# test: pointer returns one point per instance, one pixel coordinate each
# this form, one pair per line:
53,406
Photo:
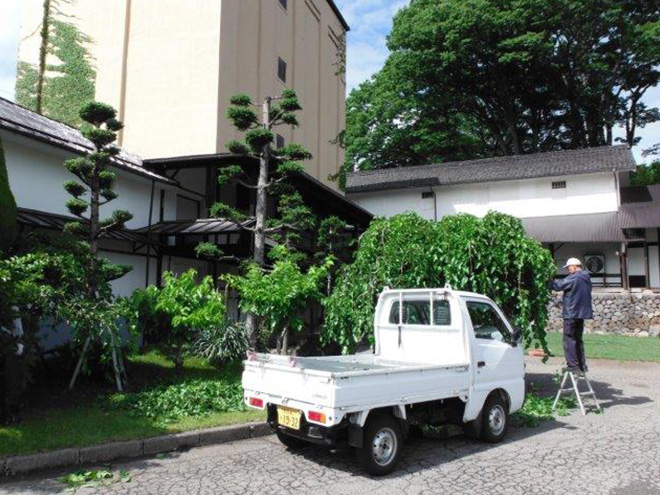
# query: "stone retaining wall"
622,313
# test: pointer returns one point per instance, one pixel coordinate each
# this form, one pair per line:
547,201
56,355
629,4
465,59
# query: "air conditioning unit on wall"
595,263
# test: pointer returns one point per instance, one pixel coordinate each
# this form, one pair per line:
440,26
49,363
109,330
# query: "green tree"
183,308
275,166
95,188
280,295
8,222
334,241
491,256
191,307
514,76
57,90
646,174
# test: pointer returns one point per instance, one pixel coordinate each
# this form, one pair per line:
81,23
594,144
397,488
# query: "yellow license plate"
288,417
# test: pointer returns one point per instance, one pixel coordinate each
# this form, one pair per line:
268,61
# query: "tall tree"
63,79
93,190
509,77
275,166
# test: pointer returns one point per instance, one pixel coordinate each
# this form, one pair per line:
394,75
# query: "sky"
370,22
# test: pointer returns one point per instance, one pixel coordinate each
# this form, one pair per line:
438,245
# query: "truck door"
498,364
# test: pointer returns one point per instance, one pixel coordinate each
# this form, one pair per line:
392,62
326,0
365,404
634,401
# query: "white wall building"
577,202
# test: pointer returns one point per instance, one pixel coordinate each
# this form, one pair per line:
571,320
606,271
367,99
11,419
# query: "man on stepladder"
576,287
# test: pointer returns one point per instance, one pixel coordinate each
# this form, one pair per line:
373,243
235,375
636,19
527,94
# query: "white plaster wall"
592,193
579,250
36,174
136,278
390,203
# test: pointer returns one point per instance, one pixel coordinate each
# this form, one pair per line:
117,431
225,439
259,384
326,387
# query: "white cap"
572,262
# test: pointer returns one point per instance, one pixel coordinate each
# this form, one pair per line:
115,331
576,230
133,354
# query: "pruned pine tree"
92,190
335,241
275,166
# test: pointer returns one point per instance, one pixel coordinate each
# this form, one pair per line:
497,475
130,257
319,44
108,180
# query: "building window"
560,184
283,4
281,69
279,141
427,195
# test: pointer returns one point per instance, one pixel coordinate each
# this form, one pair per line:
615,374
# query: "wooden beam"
647,271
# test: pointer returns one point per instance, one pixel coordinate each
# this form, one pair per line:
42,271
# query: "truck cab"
441,357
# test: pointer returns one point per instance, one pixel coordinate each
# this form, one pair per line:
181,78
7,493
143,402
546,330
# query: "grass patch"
159,402
538,409
617,347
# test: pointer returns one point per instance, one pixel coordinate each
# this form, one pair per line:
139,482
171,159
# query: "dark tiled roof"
201,226
596,227
553,164
53,221
18,119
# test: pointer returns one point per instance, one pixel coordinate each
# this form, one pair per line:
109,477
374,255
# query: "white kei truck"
441,357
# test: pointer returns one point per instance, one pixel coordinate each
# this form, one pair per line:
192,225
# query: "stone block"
22,464
110,451
169,443
223,435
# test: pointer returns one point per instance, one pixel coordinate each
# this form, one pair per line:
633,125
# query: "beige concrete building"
170,66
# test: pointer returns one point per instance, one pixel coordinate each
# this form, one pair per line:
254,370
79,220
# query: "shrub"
491,256
222,344
191,398
183,306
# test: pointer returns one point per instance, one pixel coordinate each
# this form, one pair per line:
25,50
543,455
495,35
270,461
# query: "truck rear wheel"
494,419
289,441
382,445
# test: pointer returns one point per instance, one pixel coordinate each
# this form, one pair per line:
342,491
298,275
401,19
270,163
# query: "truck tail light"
316,416
256,402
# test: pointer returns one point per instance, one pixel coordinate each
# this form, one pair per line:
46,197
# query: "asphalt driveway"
616,453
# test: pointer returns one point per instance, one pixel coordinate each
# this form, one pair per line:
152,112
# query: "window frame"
281,63
429,299
284,4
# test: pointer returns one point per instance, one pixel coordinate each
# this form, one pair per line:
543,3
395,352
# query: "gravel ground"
616,453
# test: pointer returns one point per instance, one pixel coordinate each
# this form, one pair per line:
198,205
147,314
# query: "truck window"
417,313
441,313
486,322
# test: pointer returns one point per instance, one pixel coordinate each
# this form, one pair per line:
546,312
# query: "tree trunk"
94,231
259,255
285,341
43,54
178,361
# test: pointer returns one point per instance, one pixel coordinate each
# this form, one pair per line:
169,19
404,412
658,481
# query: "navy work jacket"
577,295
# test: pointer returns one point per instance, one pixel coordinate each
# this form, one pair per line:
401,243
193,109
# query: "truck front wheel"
382,445
494,419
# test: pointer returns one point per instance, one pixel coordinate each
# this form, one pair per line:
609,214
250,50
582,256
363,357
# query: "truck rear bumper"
329,436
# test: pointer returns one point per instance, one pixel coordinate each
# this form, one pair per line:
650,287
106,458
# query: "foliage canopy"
491,256
468,78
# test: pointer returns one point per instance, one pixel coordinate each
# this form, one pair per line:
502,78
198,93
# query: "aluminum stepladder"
575,380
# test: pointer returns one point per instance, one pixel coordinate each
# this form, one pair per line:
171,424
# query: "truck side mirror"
516,337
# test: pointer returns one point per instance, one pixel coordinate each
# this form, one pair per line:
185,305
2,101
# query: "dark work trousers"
573,344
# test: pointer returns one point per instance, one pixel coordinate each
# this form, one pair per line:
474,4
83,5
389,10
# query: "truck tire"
290,442
494,419
382,445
